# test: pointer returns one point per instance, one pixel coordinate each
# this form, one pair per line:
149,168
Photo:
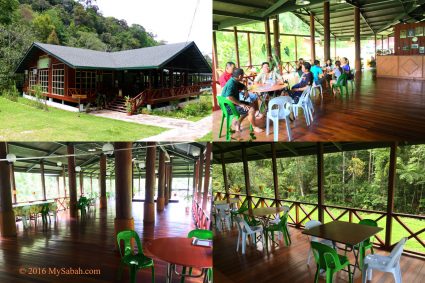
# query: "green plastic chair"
341,83
222,102
242,209
82,205
367,244
134,261
203,235
45,213
280,227
328,259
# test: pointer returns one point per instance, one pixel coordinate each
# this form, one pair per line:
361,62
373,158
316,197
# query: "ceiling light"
108,148
77,169
59,164
302,2
91,150
142,165
108,173
11,158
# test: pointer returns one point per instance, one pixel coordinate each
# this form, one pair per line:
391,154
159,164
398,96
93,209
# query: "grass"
20,121
208,137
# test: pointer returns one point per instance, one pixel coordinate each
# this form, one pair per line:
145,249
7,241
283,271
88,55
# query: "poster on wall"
415,46
411,32
403,33
422,50
419,31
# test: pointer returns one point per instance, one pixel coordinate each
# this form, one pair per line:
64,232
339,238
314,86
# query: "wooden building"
148,75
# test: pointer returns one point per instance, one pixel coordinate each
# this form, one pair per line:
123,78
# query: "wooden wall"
401,67
403,46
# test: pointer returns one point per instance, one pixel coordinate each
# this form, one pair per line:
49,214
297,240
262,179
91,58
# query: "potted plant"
128,106
187,199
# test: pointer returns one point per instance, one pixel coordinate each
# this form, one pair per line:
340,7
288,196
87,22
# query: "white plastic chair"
279,109
313,89
53,210
26,216
244,230
353,72
310,224
389,263
303,103
223,217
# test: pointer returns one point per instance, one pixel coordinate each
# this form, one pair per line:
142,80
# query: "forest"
357,179
67,22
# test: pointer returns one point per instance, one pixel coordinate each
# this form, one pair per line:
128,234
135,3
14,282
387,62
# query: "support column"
327,31
167,183
226,182
312,38
320,182
235,33
207,175
170,180
73,211
268,41
249,48
43,179
81,176
335,48
296,48
375,45
215,55
102,182
214,73
123,203
276,35
7,216
149,205
13,183
64,180
246,175
195,178
275,176
358,62
200,175
160,201
57,184
390,198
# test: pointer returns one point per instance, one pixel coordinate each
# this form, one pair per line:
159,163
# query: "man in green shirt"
231,91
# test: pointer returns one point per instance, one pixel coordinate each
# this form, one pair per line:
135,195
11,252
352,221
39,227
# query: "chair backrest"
342,79
304,96
368,222
221,209
222,102
26,210
325,256
45,208
284,106
396,252
285,209
312,223
239,223
353,75
127,236
245,227
201,234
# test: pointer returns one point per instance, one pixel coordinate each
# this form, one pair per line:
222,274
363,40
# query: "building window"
32,79
58,80
85,79
43,79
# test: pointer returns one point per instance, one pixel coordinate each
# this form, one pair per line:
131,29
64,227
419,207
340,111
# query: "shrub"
40,101
11,93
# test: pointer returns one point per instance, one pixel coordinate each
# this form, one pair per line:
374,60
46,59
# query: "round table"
262,91
179,251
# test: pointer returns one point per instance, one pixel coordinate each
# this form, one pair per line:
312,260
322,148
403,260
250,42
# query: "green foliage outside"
40,101
69,23
25,123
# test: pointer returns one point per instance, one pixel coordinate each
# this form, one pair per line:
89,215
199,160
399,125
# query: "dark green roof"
179,56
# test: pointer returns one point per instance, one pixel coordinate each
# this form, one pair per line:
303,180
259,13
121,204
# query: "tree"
43,26
53,38
8,8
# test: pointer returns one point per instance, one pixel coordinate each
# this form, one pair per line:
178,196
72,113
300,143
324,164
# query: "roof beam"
397,19
241,3
237,15
273,8
49,154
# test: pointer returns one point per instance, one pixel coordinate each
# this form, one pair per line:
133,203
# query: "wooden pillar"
268,41
312,38
73,211
7,216
149,206
215,55
64,180
327,31
358,62
13,183
81,183
43,179
296,48
160,201
235,32
170,180
167,176
249,48
275,176
335,47
57,181
195,178
375,44
320,182
390,197
276,39
91,183
382,42
200,175
388,42
214,74
102,181
246,176
226,182
207,175
123,202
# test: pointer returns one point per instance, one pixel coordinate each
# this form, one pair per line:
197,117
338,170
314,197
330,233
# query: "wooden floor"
86,245
378,109
288,264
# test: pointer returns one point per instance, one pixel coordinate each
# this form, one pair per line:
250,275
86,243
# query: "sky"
170,20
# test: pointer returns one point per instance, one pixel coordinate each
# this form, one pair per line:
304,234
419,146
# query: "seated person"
337,71
266,74
227,74
231,92
317,72
306,80
346,65
328,65
300,67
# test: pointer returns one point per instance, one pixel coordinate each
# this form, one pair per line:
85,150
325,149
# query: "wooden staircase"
118,104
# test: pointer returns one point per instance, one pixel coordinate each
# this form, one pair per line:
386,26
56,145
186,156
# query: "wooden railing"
201,217
300,212
77,91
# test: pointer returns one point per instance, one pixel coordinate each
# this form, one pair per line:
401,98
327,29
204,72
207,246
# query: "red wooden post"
43,180
7,216
312,38
207,175
149,206
320,182
357,47
73,212
390,198
268,41
235,32
327,31
249,48
102,181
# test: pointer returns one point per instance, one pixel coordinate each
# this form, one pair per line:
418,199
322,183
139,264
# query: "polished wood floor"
377,109
288,264
86,244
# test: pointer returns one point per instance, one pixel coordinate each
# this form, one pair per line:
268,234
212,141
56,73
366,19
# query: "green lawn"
208,137
20,121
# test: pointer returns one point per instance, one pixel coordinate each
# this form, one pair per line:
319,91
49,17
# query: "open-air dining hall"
105,212
318,212
318,70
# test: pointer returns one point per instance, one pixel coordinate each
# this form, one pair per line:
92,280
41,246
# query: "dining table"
349,234
34,208
224,201
178,251
263,90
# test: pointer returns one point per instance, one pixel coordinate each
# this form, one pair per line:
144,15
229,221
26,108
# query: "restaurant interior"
380,98
105,212
317,212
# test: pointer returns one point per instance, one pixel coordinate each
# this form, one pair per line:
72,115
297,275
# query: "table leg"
356,256
169,273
